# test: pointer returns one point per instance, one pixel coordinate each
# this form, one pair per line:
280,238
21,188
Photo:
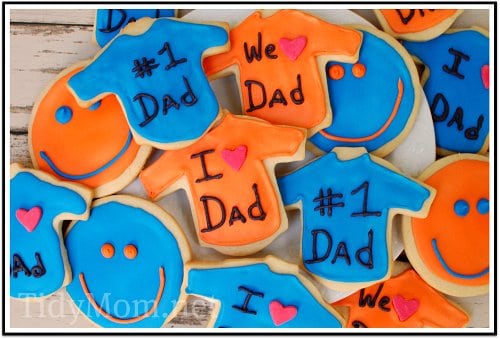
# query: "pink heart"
485,76
29,218
405,308
235,158
281,314
293,48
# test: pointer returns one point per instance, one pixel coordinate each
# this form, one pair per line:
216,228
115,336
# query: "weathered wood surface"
42,43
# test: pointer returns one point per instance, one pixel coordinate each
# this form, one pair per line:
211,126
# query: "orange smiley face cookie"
416,24
92,146
450,248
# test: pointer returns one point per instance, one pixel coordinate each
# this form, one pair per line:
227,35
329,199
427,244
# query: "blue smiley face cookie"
109,22
260,293
374,101
154,68
38,205
456,83
128,263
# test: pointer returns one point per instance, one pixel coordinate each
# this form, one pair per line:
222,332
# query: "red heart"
293,48
235,158
29,218
405,308
485,76
281,314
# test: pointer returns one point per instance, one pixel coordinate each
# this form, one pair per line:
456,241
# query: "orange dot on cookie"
130,251
107,250
336,72
358,70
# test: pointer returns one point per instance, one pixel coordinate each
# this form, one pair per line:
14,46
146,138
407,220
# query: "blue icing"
109,22
26,192
461,208
64,114
361,106
124,288
483,206
359,249
468,95
224,284
162,105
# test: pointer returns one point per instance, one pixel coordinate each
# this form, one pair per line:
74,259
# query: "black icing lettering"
255,53
39,269
364,212
453,70
457,118
109,28
253,106
472,133
326,202
18,265
148,116
368,262
296,94
173,62
439,98
269,51
385,300
405,19
260,215
341,252
206,176
210,226
277,98
188,98
369,300
168,102
236,215
358,324
144,67
315,258
250,293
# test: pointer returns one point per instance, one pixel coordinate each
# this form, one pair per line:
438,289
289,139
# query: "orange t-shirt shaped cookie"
416,24
230,177
403,301
450,248
92,146
279,59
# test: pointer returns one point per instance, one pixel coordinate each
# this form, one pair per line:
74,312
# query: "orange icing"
87,142
358,70
433,309
418,23
262,141
130,251
462,241
107,250
336,72
280,72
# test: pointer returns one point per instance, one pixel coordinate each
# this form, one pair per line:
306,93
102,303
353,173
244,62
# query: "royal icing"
154,68
260,294
230,178
417,24
276,58
75,143
404,301
456,87
347,204
109,22
127,261
38,205
454,257
388,79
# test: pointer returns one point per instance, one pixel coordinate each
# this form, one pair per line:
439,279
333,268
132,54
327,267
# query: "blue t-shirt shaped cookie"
348,200
109,22
38,205
154,68
456,83
260,293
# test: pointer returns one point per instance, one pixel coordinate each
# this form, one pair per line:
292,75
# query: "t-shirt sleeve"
278,140
338,41
208,36
163,173
289,187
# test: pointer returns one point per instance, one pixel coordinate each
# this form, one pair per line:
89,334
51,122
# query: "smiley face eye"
336,72
461,208
483,206
64,114
358,70
130,251
107,250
